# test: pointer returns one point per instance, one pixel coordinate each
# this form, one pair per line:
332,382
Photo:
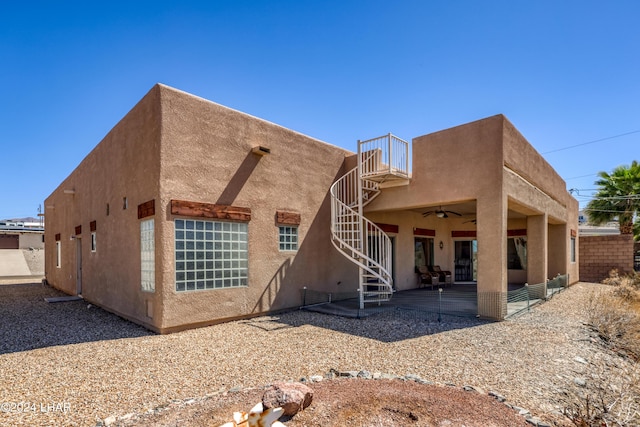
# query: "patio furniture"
444,275
427,278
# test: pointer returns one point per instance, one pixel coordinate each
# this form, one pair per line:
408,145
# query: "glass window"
288,238
58,255
147,256
423,251
210,255
93,241
573,249
517,253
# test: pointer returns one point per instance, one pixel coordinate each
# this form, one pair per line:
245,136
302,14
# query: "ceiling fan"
440,213
474,220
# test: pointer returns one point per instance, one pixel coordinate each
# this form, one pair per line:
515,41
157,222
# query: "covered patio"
456,300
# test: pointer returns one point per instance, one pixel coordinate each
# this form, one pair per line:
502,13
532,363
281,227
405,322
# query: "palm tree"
618,197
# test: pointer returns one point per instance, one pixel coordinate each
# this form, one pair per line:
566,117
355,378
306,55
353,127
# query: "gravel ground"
77,365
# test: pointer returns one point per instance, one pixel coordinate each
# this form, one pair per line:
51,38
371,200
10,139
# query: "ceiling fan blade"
425,214
452,212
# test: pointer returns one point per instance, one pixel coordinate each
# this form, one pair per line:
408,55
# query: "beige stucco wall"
206,157
124,164
463,163
489,163
173,145
535,188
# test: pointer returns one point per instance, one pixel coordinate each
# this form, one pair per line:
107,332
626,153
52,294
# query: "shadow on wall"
316,265
270,292
239,179
29,322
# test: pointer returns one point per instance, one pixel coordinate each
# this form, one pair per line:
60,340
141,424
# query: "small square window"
288,238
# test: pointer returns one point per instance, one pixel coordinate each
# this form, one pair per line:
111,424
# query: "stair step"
376,293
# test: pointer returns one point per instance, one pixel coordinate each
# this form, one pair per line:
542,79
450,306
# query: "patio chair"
444,275
427,278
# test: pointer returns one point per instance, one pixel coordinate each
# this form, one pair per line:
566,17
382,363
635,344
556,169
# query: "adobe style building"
189,213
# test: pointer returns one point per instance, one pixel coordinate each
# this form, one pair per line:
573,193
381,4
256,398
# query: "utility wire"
592,142
634,197
601,210
581,176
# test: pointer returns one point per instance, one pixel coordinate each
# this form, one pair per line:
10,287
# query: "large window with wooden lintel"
210,254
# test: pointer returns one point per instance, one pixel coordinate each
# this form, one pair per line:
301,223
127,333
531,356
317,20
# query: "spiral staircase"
382,162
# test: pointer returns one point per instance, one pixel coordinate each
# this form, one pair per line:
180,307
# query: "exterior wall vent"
260,150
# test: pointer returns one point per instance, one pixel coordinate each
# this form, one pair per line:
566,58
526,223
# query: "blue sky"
563,72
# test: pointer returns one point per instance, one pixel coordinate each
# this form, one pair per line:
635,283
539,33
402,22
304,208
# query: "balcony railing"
387,156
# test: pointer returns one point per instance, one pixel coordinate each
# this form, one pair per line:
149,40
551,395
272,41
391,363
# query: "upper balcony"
384,160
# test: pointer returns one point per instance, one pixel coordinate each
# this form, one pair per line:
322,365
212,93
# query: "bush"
634,280
608,401
615,317
611,400
614,278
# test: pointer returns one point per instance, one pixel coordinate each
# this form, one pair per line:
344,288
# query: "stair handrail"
347,187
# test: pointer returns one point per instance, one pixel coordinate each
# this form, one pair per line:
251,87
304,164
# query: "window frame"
572,246
94,245
58,254
147,255
210,254
290,232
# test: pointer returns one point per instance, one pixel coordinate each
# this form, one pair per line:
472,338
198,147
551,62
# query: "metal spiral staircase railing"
380,160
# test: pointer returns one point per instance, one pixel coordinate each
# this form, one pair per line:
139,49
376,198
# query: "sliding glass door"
466,260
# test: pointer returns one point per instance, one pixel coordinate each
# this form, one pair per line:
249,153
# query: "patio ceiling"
468,210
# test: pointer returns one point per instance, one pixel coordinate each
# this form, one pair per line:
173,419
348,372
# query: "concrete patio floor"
457,300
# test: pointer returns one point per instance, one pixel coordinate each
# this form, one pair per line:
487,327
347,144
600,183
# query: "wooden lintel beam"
288,218
210,210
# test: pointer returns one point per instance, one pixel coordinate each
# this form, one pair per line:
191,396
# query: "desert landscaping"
90,367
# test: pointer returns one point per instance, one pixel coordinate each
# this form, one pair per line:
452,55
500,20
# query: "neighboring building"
20,234
586,229
189,213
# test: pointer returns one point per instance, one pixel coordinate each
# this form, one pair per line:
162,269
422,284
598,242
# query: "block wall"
600,254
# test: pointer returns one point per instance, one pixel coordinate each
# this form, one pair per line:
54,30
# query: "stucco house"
189,213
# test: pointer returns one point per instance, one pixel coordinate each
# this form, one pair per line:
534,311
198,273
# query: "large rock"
291,397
